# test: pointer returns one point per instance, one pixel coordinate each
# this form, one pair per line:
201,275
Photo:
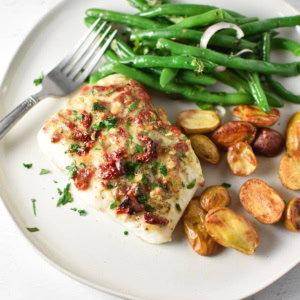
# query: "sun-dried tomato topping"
82,178
139,91
151,149
80,135
111,170
56,137
130,206
182,147
154,219
86,119
104,89
175,130
85,90
122,132
148,115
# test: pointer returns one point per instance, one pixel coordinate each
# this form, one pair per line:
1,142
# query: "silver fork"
68,75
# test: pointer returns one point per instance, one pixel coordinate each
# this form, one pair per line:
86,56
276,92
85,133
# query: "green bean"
194,36
230,61
286,44
116,17
190,77
269,24
276,86
205,106
139,4
167,75
207,18
110,55
182,10
242,21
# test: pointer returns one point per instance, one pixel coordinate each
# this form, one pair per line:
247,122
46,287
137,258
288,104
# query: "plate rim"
35,245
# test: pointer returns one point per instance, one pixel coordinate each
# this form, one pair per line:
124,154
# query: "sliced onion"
210,31
244,51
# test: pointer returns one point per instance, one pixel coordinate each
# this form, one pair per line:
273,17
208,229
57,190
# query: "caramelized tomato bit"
182,147
80,135
56,137
85,90
154,219
86,119
82,178
139,91
151,149
175,130
104,89
111,170
130,206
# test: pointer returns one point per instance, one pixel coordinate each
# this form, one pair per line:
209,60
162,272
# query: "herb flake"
44,172
178,207
133,105
28,166
108,123
226,185
32,229
163,170
98,107
65,196
38,80
125,232
33,206
191,184
72,170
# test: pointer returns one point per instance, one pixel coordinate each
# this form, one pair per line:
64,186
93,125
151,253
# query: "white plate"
93,249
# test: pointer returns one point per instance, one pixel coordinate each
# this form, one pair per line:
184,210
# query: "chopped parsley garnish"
125,232
130,137
139,149
156,113
80,117
110,186
27,166
75,148
178,207
97,148
108,123
33,229
44,172
82,212
163,170
128,124
114,204
82,165
74,209
98,106
131,168
226,185
142,198
54,181
182,184
38,80
215,196
191,184
33,206
185,138
154,167
72,170
65,196
146,182
74,112
133,105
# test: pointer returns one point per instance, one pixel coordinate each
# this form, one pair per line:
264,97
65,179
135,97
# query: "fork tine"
63,63
80,66
96,59
83,50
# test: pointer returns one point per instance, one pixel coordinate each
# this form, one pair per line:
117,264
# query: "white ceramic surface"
93,247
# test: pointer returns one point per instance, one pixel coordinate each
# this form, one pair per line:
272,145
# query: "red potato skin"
268,142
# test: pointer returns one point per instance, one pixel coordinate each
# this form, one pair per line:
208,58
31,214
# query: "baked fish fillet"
125,156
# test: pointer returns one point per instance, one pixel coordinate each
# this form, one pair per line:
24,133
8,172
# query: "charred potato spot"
205,148
198,121
241,159
231,230
195,230
289,170
268,142
292,215
214,196
261,201
293,133
256,116
233,132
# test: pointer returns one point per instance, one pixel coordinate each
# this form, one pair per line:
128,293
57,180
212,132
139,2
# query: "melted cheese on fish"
125,156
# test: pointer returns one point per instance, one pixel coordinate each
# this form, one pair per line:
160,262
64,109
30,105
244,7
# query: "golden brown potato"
241,159
292,215
198,121
205,148
289,170
268,142
261,201
231,230
194,227
233,132
214,196
293,133
256,116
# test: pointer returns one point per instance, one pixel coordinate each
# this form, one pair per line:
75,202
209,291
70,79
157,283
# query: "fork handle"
14,116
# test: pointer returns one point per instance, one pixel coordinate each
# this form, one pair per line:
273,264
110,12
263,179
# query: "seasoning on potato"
241,159
214,196
261,201
195,230
293,133
292,215
289,170
205,148
198,121
233,132
231,230
268,142
256,116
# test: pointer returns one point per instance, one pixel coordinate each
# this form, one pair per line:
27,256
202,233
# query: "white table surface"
23,273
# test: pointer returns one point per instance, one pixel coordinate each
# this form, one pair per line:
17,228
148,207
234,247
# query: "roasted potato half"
198,121
214,196
293,133
205,148
268,142
231,230
256,116
292,215
261,201
241,159
195,230
233,132
289,170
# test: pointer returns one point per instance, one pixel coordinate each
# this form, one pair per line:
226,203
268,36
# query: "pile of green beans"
162,52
